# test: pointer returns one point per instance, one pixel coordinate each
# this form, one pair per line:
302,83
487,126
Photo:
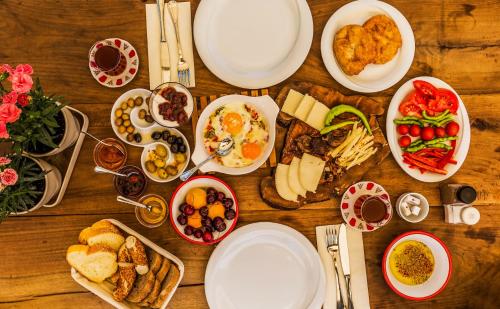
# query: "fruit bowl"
203,210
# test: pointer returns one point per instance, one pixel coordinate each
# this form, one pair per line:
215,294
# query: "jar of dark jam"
133,185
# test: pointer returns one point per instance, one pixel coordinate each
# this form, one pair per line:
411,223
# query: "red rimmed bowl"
439,277
179,198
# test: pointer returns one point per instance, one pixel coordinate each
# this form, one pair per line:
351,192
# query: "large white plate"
375,77
264,104
253,44
265,265
461,118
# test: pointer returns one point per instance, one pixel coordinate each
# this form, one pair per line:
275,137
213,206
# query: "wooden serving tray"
200,102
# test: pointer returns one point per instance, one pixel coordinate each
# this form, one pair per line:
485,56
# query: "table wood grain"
457,41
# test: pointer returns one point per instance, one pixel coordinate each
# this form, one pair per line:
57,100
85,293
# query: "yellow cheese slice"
281,182
317,115
310,171
293,178
304,108
292,102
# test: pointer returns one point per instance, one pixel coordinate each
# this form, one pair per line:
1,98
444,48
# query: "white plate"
265,265
375,77
253,44
105,290
440,276
461,118
264,104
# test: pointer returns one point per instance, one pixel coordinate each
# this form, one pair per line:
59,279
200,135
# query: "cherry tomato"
415,130
425,89
440,132
427,133
404,141
411,105
403,129
452,128
446,99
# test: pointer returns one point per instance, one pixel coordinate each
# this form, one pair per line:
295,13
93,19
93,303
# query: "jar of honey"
158,213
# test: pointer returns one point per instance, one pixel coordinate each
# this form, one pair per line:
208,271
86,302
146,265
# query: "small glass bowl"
156,99
120,182
164,210
100,147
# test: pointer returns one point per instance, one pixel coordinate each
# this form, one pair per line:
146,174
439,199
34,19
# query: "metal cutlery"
346,267
125,200
99,169
104,143
333,250
164,53
183,71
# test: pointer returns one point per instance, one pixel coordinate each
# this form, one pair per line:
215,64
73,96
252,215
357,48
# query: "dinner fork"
332,242
183,72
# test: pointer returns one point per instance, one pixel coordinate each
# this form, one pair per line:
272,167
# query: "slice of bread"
106,224
155,260
138,254
151,298
142,287
102,236
96,262
167,286
163,271
124,255
125,283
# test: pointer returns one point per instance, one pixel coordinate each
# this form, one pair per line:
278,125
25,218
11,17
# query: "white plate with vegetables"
428,129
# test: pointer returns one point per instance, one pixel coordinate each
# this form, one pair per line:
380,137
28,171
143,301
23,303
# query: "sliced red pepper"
426,167
421,159
449,155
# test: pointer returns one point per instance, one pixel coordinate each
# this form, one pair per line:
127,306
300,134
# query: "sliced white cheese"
310,171
304,108
292,101
317,115
293,178
281,182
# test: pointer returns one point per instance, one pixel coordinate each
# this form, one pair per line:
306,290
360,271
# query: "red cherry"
208,236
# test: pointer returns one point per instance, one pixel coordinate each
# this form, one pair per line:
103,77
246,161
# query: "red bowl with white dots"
349,199
179,197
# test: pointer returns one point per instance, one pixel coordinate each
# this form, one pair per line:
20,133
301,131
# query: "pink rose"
8,177
6,68
24,68
21,82
10,98
23,99
4,161
3,130
9,113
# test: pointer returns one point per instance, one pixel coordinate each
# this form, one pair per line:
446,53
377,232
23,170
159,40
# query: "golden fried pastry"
354,48
386,35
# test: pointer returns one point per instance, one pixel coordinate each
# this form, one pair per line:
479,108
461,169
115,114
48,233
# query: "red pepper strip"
426,167
449,155
424,160
430,152
452,161
422,171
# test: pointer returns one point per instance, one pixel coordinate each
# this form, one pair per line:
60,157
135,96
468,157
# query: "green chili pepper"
440,140
439,117
343,108
328,129
409,121
414,148
440,145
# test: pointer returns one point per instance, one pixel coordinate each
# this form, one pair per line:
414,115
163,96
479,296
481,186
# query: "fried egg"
245,125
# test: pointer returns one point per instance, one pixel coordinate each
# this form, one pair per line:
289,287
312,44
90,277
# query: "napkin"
359,285
186,38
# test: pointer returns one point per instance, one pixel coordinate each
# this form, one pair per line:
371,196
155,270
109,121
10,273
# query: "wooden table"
456,41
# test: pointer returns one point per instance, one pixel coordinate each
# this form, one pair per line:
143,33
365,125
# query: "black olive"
182,148
149,119
156,135
174,148
137,137
165,135
171,140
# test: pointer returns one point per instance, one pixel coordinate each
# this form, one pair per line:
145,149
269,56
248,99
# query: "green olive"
180,157
118,112
171,170
127,123
162,173
124,105
150,166
130,129
130,102
118,121
138,101
142,114
161,151
122,129
126,116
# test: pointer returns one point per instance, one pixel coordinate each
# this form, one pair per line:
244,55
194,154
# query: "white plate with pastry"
253,44
124,268
265,265
383,43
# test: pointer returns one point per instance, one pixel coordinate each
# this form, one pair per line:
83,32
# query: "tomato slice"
411,105
425,89
446,100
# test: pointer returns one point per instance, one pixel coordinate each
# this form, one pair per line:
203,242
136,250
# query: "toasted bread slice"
138,254
125,283
124,255
142,287
151,298
155,260
104,236
168,285
163,271
95,262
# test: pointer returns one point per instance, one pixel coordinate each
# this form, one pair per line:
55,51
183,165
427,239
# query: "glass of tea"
111,154
375,210
110,59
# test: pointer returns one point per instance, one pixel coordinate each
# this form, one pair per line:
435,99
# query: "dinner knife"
164,53
344,259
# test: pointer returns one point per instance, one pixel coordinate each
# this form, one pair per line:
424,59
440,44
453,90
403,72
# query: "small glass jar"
110,157
133,185
158,214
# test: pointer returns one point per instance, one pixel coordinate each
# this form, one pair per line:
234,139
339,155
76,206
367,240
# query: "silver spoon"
99,169
104,143
225,147
125,200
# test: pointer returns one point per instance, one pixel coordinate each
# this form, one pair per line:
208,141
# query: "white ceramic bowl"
269,110
461,118
156,99
424,208
179,197
440,276
170,157
375,77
